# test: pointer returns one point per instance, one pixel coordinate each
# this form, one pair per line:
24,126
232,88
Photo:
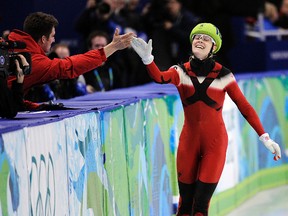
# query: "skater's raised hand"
271,145
143,49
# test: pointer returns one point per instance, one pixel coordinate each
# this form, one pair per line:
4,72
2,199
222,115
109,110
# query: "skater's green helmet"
208,29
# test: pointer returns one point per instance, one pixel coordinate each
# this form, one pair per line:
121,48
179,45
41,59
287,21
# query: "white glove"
143,49
271,145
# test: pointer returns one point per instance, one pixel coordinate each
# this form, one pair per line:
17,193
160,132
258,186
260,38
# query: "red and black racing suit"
201,154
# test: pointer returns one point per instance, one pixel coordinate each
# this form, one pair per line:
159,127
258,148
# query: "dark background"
14,12
245,56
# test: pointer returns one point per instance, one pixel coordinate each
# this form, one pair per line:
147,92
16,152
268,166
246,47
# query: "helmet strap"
211,51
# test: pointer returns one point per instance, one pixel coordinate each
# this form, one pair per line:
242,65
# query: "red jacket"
45,70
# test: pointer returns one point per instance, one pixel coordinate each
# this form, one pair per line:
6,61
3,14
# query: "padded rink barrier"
114,153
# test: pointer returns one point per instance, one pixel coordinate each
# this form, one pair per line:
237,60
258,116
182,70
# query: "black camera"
8,57
103,8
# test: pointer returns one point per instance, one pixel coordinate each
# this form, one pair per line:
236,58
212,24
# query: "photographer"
39,34
11,100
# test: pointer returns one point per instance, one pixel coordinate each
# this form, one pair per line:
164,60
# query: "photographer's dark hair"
38,24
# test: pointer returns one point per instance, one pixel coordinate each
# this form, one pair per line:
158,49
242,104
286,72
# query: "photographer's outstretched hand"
118,42
122,41
143,49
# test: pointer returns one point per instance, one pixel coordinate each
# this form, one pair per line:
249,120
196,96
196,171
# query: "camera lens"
103,8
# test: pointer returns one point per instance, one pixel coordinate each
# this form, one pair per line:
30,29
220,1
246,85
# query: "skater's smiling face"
202,45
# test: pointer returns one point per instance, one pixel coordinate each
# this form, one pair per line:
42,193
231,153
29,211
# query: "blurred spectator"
116,6
5,34
282,20
98,15
60,50
134,72
132,18
277,3
271,11
170,24
107,76
125,16
178,26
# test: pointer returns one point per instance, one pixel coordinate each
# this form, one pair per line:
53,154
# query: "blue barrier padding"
99,101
